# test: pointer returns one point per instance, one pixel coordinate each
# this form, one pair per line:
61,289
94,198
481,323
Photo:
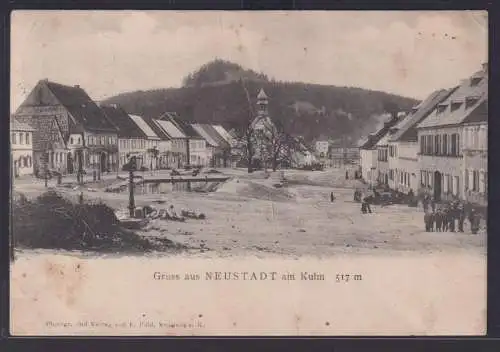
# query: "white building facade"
21,148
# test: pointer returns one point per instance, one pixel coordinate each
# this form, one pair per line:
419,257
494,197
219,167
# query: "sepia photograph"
290,173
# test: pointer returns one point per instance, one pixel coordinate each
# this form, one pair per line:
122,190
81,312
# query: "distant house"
21,148
165,155
71,132
450,168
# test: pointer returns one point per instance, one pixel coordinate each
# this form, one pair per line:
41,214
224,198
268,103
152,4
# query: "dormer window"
471,100
474,81
441,108
455,105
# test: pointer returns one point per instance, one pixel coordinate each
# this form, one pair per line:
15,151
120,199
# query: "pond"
168,187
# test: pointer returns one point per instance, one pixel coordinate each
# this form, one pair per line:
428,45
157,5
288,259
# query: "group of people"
449,217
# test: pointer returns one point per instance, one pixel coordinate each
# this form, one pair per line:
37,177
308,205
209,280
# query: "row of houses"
439,147
61,128
335,153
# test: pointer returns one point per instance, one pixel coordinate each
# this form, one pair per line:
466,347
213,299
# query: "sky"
111,52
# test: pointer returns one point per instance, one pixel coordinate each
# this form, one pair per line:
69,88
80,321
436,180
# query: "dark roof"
377,136
187,129
80,106
407,130
479,114
156,129
125,126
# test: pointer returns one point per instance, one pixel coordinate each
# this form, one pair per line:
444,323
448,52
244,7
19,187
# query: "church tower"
262,103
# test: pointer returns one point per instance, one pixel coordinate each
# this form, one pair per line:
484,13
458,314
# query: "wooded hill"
215,93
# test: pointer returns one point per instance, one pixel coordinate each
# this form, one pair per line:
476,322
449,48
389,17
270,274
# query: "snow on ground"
247,215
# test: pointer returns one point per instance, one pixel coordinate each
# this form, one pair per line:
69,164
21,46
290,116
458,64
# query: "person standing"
332,197
438,219
451,219
433,204
475,220
347,175
461,217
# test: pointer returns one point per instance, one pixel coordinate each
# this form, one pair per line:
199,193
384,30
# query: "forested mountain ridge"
216,93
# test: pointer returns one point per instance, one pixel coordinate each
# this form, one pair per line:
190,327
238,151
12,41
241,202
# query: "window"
455,105
454,144
482,183
436,145
28,138
475,184
29,161
455,185
13,138
21,138
445,144
441,108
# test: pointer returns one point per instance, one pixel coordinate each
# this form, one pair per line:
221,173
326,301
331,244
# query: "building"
21,148
475,153
321,149
403,144
374,153
165,156
197,152
230,142
70,131
131,139
218,148
443,166
177,156
151,144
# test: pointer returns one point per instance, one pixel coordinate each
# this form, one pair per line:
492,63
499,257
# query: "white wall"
22,152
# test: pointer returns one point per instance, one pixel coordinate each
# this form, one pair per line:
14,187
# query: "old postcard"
248,173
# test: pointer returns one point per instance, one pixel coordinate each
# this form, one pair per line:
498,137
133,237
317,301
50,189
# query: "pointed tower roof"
262,95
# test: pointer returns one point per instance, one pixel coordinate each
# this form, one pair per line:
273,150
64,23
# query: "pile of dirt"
53,222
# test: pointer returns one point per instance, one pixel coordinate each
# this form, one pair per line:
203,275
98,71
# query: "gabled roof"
18,126
84,110
202,131
126,127
157,129
463,93
223,133
139,121
187,129
217,136
406,129
169,129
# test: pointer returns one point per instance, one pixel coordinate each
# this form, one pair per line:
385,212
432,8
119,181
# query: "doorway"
79,160
103,162
437,186
69,163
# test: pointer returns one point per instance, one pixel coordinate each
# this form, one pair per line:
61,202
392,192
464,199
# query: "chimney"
45,79
77,86
485,67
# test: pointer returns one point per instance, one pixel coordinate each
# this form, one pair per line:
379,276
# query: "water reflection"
167,187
